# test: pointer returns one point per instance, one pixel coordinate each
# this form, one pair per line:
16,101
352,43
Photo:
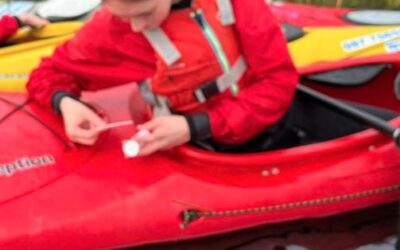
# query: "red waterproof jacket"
106,52
8,27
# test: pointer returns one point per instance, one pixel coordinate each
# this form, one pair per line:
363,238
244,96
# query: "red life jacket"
198,55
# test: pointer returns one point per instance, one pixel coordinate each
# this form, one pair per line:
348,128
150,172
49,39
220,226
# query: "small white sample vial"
131,148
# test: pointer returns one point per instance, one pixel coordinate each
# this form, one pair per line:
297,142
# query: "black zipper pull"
197,15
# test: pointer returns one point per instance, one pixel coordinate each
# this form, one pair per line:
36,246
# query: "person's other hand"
81,123
33,21
165,133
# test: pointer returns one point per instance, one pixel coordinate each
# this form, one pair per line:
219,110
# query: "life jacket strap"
229,80
226,13
159,103
163,45
162,108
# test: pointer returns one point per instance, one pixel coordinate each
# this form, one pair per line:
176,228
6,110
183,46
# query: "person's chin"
147,26
138,29
152,27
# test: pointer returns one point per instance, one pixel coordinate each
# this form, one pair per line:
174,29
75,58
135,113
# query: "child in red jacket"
221,68
10,24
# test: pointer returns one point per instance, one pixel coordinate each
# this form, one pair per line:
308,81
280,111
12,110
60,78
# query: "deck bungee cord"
21,107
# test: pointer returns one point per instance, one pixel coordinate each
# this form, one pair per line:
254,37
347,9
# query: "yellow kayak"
28,47
52,30
324,45
17,61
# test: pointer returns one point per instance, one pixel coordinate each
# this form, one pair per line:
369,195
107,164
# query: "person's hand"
165,133
33,21
81,123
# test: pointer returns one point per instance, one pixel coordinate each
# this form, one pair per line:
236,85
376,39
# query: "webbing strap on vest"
162,108
226,12
223,82
159,103
163,45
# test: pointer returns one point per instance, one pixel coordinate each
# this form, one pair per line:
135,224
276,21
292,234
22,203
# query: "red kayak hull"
56,195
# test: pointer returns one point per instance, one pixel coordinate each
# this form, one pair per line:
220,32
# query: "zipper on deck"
191,215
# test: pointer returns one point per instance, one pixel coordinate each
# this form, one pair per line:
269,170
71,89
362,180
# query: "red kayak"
57,195
306,15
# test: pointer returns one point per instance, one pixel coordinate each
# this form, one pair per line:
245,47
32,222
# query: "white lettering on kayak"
24,164
392,46
369,40
13,76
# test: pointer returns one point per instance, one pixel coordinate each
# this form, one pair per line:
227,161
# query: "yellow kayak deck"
26,49
324,45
